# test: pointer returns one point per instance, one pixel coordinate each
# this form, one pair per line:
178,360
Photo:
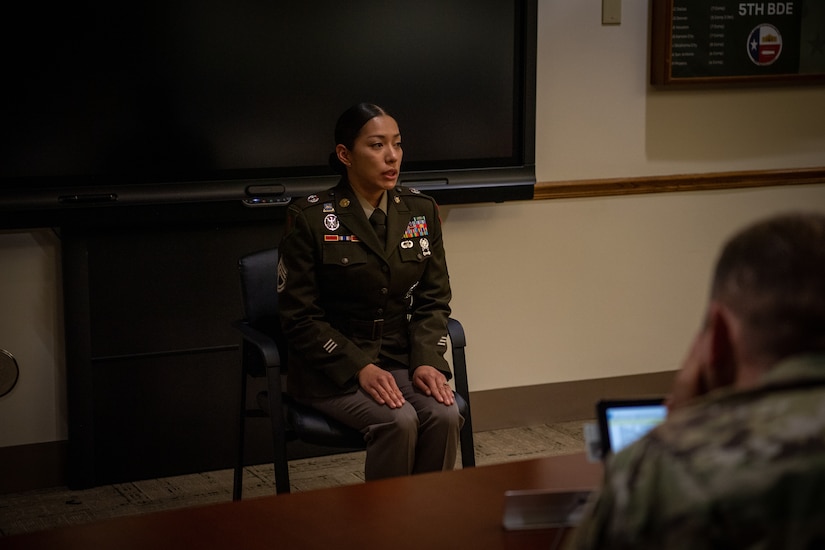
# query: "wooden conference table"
455,510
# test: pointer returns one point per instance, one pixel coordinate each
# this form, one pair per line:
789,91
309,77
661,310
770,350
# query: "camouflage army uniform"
735,470
345,297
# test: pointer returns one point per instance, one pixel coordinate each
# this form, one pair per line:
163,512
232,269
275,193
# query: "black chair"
263,352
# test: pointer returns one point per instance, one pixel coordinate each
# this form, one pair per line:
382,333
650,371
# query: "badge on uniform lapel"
406,244
331,222
425,247
344,203
328,207
312,199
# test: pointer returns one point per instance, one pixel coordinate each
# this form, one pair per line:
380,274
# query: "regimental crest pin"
425,247
331,222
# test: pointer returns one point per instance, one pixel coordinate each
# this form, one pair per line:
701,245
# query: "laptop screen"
623,421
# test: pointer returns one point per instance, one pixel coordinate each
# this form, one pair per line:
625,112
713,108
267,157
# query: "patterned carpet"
49,508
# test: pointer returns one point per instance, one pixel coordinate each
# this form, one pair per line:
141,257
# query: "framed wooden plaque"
719,41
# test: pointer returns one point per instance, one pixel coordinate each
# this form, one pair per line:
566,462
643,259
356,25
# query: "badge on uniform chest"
331,222
423,243
425,246
417,228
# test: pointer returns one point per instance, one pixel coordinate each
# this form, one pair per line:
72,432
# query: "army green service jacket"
346,301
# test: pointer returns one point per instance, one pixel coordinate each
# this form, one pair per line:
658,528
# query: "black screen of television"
104,94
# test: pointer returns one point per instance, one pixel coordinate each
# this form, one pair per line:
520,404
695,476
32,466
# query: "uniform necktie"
379,222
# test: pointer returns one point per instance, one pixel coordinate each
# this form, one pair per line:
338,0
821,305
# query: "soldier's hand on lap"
381,386
433,383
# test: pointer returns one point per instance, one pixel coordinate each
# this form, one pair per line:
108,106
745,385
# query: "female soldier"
364,302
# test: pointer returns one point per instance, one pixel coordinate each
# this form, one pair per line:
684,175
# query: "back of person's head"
771,275
349,126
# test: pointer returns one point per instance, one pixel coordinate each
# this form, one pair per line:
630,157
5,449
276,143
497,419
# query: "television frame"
54,202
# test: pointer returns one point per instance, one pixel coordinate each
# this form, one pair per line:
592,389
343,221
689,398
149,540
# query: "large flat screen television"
170,102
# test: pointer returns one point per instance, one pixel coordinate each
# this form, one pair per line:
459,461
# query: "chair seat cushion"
312,426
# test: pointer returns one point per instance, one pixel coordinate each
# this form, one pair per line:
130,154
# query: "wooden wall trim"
679,182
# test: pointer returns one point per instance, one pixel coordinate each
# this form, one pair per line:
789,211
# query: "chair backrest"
259,286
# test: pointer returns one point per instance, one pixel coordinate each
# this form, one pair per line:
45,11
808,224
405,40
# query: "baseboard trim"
559,402
35,466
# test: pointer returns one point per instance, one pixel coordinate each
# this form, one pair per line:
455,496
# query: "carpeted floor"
49,508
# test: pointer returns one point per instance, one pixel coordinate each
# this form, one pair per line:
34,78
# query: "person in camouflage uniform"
740,460
365,314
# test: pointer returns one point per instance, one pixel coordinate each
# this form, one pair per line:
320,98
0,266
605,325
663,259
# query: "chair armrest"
458,342
265,345
462,389
456,333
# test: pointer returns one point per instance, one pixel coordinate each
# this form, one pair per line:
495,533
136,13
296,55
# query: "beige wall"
554,291
598,118
31,328
560,290
548,290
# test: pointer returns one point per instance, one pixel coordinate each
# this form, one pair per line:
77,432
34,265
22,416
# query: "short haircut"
772,277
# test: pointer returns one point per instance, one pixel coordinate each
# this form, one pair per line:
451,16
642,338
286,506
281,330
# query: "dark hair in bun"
349,126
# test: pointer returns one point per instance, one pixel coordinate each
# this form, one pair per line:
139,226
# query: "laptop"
620,423
623,421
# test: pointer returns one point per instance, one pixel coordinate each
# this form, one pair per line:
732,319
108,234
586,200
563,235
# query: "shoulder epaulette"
411,192
314,199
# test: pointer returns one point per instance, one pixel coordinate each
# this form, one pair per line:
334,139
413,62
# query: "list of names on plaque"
717,38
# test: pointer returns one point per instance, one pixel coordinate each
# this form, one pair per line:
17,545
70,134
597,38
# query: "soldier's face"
374,162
